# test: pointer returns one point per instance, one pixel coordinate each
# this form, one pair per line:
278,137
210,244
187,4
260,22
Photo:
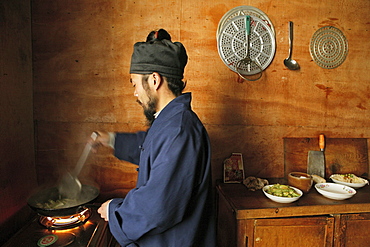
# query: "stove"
66,222
86,229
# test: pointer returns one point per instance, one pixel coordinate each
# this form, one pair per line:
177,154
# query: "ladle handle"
81,161
248,24
248,33
290,38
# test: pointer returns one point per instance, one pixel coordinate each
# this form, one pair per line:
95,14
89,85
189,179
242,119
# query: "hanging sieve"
244,11
233,44
328,47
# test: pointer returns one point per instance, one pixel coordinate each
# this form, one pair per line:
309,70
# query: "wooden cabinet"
249,219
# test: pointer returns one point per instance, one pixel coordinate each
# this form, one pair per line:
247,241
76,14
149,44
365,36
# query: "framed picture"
234,169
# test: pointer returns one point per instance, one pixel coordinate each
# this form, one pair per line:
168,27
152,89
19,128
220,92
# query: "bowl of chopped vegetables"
282,193
349,179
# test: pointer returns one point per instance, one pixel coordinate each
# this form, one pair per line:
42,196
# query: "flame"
66,220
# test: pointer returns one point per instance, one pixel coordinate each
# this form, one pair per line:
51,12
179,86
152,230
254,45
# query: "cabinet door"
355,230
293,232
226,224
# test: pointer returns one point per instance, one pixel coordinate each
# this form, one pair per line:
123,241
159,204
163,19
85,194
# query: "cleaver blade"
316,159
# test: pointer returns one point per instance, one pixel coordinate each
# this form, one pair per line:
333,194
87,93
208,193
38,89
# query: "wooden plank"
342,155
17,151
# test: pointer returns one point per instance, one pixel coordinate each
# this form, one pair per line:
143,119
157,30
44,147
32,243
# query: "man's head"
157,63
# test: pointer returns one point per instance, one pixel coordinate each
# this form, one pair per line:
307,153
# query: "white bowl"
335,191
353,185
281,199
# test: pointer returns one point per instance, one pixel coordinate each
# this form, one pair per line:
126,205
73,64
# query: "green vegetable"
282,191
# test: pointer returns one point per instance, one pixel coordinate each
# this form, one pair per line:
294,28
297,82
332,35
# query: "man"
172,203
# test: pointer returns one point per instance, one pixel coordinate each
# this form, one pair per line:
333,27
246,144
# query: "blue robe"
172,204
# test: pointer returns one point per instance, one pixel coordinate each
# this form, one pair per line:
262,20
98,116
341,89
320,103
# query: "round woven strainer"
328,47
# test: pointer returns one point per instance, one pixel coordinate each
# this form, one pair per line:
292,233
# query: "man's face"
144,95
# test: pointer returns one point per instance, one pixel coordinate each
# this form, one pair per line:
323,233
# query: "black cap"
162,56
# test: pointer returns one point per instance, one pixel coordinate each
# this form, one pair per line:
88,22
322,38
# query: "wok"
37,201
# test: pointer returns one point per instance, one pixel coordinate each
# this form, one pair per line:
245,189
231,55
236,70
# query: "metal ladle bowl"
289,62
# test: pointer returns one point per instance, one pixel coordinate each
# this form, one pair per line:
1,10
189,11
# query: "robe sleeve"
127,146
164,199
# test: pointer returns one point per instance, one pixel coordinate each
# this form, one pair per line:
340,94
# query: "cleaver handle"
321,142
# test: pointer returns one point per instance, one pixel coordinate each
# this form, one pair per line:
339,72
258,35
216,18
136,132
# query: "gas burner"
65,222
93,231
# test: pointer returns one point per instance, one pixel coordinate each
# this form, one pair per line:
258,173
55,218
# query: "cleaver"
316,159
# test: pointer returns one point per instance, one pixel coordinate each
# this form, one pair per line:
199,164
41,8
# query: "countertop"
254,204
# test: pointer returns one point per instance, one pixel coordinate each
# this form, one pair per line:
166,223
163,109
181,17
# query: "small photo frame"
234,169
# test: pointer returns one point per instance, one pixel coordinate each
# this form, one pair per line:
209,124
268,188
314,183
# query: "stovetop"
93,233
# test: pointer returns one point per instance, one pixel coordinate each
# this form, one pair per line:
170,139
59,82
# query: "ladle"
70,186
289,62
247,62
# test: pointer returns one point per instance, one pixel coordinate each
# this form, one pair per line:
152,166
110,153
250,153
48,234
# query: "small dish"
300,180
282,199
353,185
335,191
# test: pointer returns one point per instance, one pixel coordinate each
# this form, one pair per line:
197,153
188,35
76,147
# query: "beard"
149,110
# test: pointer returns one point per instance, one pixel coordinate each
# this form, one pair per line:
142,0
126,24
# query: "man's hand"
104,210
102,139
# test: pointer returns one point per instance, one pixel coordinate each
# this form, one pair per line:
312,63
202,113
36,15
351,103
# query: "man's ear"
157,80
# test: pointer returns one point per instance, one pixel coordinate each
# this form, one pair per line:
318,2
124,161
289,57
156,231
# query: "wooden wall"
81,53
17,155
